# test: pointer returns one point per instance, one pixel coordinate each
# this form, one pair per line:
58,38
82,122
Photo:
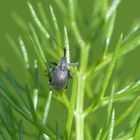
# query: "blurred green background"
128,15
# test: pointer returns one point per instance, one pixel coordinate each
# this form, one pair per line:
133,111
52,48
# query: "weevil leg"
70,75
74,64
50,81
51,69
54,63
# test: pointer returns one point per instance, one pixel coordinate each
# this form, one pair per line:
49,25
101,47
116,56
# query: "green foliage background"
127,16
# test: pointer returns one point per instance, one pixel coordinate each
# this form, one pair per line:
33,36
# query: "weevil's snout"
63,62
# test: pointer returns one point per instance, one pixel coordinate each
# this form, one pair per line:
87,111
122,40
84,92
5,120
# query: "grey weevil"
60,74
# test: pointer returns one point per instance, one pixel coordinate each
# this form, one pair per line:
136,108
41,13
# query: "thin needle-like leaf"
24,53
106,77
72,107
10,115
4,88
43,15
14,47
47,107
128,91
134,33
57,31
7,120
108,33
3,134
37,21
110,69
112,8
99,7
127,112
136,132
2,119
73,22
67,45
35,98
129,43
111,126
35,91
26,115
99,135
38,48
15,85
20,22
20,131
131,89
110,104
30,100
108,115
61,6
57,131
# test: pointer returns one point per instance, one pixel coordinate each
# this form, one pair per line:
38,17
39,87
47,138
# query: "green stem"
79,112
79,109
79,127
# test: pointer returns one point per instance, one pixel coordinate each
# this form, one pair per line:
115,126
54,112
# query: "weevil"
60,74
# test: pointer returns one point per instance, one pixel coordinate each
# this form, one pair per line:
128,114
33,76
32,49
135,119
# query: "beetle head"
63,64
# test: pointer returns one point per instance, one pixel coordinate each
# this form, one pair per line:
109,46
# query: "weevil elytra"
60,74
